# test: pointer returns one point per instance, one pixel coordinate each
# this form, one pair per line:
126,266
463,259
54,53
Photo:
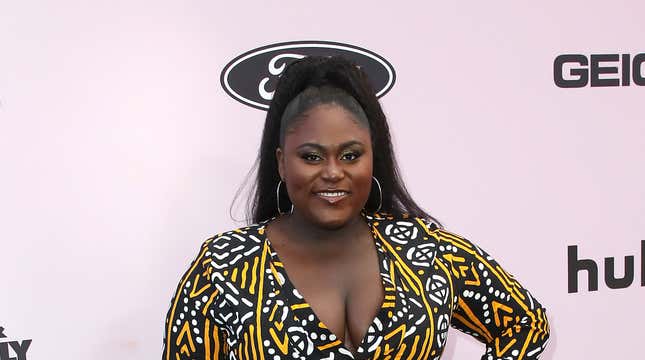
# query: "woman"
340,262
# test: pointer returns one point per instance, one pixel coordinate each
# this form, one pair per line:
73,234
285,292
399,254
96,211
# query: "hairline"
301,116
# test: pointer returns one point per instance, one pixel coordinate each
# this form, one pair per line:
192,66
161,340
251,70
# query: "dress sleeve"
191,330
490,304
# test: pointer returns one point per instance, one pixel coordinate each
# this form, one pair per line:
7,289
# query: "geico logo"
575,70
575,265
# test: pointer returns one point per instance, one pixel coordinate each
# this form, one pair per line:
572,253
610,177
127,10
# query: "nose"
333,170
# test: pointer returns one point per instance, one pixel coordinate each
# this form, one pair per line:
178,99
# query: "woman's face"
326,164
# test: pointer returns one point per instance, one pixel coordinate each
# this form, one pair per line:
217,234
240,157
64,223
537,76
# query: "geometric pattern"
236,301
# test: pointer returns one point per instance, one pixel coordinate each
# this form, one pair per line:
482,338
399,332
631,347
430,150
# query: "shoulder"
425,230
229,248
405,231
404,224
440,234
457,248
242,235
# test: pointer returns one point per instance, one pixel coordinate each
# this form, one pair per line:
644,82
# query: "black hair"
313,96
340,73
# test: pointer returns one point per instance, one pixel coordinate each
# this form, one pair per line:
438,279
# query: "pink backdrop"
120,153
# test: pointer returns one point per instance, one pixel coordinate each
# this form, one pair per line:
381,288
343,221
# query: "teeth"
332,194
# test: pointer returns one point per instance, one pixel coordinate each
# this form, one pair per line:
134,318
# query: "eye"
350,156
311,157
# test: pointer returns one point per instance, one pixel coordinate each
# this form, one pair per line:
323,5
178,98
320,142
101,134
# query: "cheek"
363,180
299,177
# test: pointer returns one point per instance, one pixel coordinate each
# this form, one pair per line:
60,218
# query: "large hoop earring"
380,194
277,199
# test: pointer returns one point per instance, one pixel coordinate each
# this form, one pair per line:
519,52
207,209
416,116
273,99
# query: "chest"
344,294
396,301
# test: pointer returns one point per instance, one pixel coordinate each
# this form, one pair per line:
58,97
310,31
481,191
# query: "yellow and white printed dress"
236,301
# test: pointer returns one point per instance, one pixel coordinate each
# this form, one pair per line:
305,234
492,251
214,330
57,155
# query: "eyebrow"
320,147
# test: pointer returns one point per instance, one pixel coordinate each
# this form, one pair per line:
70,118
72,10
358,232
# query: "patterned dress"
236,301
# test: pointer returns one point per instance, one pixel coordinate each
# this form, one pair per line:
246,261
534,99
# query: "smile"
332,197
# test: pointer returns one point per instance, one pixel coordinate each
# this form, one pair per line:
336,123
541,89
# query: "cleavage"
345,300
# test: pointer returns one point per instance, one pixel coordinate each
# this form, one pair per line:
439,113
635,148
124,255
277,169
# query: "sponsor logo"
12,350
251,77
577,70
575,266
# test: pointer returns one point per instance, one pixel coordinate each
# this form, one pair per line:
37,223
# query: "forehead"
327,124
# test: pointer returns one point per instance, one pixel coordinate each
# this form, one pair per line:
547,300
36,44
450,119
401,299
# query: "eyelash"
313,157
355,155
308,157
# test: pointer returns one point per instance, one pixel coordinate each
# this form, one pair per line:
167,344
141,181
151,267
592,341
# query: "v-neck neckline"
381,318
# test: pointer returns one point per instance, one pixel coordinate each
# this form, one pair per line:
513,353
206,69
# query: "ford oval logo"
251,77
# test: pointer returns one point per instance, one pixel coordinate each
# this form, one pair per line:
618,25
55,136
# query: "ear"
280,157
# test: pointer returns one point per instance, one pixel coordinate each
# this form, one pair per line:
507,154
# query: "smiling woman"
340,262
326,163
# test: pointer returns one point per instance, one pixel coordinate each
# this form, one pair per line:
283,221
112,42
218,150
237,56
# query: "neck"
313,235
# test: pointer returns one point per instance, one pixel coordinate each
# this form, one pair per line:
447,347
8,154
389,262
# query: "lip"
332,196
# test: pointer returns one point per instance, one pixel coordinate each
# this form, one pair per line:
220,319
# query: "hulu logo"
576,266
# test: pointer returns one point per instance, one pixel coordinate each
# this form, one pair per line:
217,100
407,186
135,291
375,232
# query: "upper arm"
491,304
190,330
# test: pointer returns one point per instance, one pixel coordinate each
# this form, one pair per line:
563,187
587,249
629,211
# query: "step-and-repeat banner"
127,127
